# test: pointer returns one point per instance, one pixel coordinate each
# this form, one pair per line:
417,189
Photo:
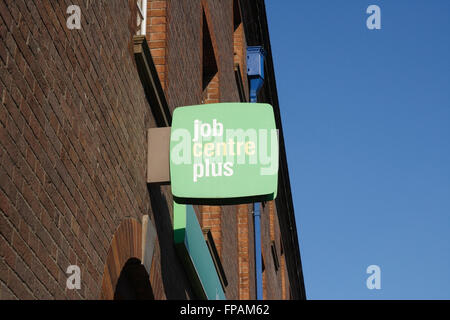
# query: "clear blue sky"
366,118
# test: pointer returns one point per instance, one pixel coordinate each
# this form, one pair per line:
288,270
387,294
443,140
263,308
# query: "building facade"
77,101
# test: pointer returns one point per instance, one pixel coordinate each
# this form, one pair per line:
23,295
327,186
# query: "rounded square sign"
225,153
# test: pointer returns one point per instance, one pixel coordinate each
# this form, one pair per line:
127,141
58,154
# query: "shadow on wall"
175,282
133,282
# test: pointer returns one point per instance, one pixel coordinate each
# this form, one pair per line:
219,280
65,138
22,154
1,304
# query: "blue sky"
366,118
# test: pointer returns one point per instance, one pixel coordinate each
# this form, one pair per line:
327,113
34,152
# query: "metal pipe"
258,251
255,72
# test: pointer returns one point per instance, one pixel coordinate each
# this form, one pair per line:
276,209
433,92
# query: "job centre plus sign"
224,152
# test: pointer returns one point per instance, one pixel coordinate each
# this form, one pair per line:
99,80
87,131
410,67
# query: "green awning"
195,255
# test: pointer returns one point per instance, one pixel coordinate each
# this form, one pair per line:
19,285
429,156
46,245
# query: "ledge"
215,256
194,254
150,81
239,82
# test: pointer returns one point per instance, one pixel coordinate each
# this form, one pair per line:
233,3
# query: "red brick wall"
73,124
212,92
230,250
211,218
221,15
270,231
157,36
246,252
72,146
240,47
234,230
184,75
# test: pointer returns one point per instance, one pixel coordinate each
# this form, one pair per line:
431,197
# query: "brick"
8,254
155,36
158,4
5,293
158,20
6,229
160,28
18,287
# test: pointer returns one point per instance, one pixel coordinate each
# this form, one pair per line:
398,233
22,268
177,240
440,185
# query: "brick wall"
232,226
72,137
272,287
246,252
73,124
157,36
184,74
239,44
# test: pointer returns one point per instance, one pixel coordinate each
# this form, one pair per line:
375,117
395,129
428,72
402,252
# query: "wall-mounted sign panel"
194,253
225,153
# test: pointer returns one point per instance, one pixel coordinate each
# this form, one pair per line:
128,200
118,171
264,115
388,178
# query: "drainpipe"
255,72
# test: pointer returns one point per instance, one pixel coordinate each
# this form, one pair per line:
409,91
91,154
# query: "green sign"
194,254
225,153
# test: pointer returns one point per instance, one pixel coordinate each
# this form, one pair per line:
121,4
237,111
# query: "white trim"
144,17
